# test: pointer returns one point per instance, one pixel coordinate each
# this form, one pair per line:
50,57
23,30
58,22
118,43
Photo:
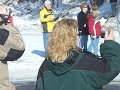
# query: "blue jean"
93,47
45,39
83,41
113,7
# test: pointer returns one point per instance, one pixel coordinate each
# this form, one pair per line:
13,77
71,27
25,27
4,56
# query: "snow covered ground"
24,71
26,68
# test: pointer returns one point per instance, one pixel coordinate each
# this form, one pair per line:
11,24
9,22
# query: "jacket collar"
67,65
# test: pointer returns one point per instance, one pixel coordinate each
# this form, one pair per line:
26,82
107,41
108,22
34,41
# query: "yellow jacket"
45,18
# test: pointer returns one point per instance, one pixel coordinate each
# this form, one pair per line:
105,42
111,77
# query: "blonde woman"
68,67
94,28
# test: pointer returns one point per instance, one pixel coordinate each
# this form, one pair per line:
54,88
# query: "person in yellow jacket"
47,21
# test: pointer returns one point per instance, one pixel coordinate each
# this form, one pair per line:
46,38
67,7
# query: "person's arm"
39,82
97,29
90,26
101,71
15,39
11,41
111,50
12,44
81,23
98,80
46,18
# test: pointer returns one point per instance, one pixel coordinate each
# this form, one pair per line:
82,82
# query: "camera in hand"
102,34
5,18
56,18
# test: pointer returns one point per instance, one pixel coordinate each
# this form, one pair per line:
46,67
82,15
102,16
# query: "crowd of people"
88,24
70,64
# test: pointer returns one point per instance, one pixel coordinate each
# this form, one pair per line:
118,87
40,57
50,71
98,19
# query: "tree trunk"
57,3
53,2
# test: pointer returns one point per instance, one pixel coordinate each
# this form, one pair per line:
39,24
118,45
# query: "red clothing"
91,22
10,19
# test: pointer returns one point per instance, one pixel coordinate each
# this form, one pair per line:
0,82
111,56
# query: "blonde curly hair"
63,38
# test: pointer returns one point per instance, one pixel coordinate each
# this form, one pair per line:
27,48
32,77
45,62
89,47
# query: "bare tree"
53,2
58,3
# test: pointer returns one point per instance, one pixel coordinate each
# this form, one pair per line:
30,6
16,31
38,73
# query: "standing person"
113,7
94,28
68,67
83,25
47,20
11,47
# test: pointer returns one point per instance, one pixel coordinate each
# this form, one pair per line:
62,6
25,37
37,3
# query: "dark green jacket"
81,70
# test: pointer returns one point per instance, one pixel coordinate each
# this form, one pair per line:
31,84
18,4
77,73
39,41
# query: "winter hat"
47,2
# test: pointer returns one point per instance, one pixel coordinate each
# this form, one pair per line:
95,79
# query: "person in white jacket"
11,47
